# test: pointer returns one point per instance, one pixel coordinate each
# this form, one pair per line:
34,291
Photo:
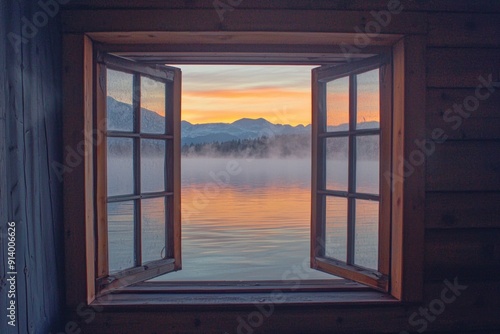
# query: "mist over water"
245,219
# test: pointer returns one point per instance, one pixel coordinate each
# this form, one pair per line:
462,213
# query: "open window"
131,210
351,151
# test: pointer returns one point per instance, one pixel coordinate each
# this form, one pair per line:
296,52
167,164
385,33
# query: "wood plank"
227,320
271,40
464,30
175,228
470,254
481,123
474,307
385,217
461,67
408,192
464,166
462,210
41,120
120,20
484,6
100,93
78,181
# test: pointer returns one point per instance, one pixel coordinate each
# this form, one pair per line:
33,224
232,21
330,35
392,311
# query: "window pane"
337,105
120,166
153,229
368,100
119,111
367,164
152,105
152,165
121,253
336,228
366,235
337,163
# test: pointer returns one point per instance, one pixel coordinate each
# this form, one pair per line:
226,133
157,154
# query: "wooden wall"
462,208
30,192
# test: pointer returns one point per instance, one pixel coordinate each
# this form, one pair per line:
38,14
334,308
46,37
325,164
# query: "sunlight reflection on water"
253,225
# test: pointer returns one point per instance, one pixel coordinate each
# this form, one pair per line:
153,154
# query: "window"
83,95
129,249
348,226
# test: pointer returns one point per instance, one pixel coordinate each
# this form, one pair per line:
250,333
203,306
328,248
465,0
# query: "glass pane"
152,165
153,229
337,105
119,110
367,164
368,100
152,106
366,235
337,163
121,253
120,169
336,228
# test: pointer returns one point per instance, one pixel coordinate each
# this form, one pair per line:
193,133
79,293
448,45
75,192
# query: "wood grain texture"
481,6
481,122
470,254
78,181
461,67
206,20
408,192
30,191
464,30
464,166
456,210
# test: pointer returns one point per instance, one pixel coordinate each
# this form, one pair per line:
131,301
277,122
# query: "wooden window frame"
408,97
170,76
377,278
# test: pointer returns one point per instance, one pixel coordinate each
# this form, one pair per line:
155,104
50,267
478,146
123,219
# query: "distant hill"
244,137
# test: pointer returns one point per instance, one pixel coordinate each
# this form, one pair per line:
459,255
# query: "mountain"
244,128
120,117
254,137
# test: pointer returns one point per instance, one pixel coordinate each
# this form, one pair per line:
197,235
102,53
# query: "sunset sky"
226,93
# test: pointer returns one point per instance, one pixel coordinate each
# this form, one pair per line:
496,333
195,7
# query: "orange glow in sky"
226,93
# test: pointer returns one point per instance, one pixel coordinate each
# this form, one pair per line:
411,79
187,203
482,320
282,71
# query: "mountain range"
120,118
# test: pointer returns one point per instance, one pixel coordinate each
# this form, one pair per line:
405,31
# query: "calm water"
244,219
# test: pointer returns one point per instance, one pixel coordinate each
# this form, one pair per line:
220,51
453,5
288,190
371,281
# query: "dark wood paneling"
464,30
461,67
469,254
462,210
238,20
485,6
464,166
482,122
473,310
30,190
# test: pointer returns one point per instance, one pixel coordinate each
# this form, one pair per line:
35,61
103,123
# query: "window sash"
379,278
171,77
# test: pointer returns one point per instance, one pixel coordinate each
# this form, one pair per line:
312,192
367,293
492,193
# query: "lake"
244,219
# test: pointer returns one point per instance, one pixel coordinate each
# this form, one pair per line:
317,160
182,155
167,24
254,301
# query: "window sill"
157,296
